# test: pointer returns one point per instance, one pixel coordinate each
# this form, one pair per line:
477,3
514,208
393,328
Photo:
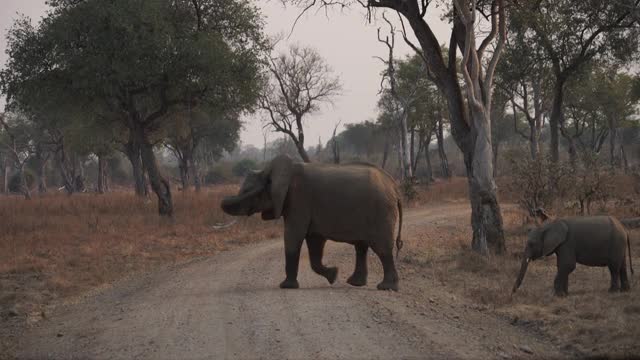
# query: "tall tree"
573,33
469,109
137,60
191,128
300,82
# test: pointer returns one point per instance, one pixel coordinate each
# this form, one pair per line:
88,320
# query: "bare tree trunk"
195,175
412,156
102,166
24,186
5,177
612,145
486,217
66,171
185,178
444,162
41,163
573,152
533,141
302,152
557,117
496,149
623,155
385,152
132,150
427,157
536,127
404,147
159,184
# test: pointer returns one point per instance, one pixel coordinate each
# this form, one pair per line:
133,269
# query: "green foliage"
243,167
94,69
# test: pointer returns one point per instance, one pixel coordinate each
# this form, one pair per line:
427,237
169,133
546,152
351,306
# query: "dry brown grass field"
56,247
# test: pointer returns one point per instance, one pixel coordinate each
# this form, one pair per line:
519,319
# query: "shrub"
408,189
243,167
539,183
15,183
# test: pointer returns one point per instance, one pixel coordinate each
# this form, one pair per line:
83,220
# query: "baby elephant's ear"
554,235
280,172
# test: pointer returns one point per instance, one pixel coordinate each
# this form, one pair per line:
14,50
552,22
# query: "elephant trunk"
240,204
523,270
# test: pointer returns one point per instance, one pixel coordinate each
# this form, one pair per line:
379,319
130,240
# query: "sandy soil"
230,306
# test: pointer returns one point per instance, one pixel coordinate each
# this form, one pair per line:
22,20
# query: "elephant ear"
554,235
280,173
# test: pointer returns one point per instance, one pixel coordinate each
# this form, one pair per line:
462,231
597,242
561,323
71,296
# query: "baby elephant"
358,204
591,241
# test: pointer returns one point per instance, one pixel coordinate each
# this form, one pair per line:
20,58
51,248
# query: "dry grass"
58,246
589,320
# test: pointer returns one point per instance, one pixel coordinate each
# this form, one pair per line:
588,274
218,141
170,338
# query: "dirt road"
230,306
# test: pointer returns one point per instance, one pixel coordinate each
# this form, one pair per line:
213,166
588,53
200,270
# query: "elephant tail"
399,242
629,252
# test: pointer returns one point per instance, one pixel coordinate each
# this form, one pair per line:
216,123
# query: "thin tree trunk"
102,165
385,152
41,169
404,144
533,141
623,155
573,152
184,172
159,184
132,150
444,162
68,174
5,177
427,157
195,175
412,151
557,117
496,149
24,187
302,152
612,145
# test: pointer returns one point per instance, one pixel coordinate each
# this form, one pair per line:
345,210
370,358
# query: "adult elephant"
354,203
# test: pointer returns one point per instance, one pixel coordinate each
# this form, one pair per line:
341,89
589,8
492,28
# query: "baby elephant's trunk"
523,270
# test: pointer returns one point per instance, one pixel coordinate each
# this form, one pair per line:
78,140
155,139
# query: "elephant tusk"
224,226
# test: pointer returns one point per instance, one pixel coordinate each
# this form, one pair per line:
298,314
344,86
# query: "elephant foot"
289,284
388,285
357,280
625,288
560,293
331,274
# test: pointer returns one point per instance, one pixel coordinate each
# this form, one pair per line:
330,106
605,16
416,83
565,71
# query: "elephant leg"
292,245
561,282
614,269
624,280
566,262
359,277
315,244
390,280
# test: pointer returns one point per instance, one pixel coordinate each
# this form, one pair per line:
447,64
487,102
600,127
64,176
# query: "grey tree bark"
159,184
444,162
132,150
5,177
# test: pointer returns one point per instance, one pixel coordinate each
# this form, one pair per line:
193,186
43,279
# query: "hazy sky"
346,41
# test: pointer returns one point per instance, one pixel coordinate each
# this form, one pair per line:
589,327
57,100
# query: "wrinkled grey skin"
356,204
591,241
